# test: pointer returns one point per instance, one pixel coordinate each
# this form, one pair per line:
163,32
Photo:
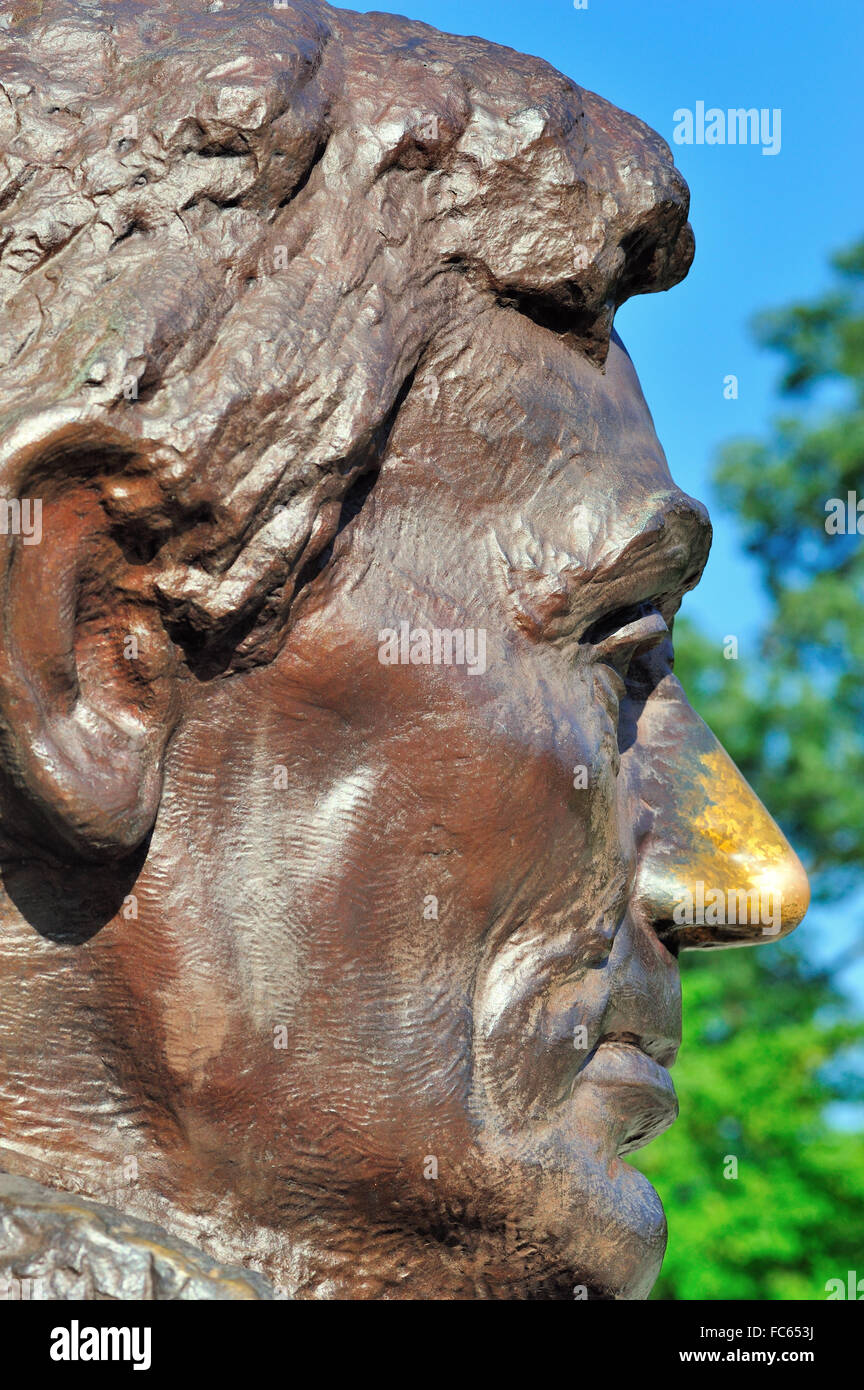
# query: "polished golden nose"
717,870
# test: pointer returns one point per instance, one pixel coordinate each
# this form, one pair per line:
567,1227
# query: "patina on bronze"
341,961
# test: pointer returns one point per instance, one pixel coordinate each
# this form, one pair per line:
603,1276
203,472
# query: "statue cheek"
594,755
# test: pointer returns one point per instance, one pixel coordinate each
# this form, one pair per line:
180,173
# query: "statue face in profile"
353,818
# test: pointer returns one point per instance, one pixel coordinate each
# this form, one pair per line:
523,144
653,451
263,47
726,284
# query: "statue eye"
617,638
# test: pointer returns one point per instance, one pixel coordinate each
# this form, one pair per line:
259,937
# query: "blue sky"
765,224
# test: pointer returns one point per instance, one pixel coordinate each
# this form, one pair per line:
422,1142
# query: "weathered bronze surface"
344,962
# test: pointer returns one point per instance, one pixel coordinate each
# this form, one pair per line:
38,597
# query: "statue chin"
575,1224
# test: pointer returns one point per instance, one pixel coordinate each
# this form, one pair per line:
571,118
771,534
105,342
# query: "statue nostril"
667,934
715,901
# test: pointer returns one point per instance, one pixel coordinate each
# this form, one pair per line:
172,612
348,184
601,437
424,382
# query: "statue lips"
638,1088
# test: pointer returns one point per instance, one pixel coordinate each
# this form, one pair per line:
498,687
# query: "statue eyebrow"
661,561
678,530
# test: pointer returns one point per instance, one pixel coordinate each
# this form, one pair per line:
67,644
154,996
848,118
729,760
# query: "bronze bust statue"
352,818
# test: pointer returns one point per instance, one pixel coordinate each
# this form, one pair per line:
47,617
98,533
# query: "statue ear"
87,673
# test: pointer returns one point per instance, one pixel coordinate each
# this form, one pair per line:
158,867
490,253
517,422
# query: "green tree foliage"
768,1038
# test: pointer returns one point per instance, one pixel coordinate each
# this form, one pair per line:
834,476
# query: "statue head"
352,818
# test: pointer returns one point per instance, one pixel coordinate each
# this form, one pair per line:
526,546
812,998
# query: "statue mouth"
631,1074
